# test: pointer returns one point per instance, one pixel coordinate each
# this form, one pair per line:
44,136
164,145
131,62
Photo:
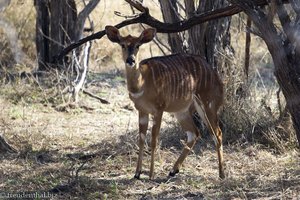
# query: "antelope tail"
201,111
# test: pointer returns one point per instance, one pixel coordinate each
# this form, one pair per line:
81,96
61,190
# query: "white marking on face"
209,105
130,66
143,120
137,95
190,136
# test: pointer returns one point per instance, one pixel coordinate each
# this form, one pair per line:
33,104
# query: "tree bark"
216,35
42,30
170,15
196,33
206,39
58,25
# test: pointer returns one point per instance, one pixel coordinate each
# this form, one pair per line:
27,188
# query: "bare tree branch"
86,12
161,27
137,5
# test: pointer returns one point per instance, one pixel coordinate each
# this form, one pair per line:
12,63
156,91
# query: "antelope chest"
142,103
153,104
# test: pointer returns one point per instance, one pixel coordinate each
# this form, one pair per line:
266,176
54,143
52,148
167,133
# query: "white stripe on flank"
205,75
211,76
167,77
178,80
175,85
199,74
153,77
194,70
185,78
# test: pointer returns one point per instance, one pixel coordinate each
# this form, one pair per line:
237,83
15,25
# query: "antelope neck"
135,80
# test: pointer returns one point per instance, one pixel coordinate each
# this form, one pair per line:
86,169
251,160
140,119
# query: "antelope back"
179,76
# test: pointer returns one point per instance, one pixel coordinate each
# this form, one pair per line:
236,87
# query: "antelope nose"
130,61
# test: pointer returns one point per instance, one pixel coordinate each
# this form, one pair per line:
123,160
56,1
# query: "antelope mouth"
130,62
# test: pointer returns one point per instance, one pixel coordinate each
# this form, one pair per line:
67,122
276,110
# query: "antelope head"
130,44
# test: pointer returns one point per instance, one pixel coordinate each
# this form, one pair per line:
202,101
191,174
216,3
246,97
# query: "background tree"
207,39
284,46
57,25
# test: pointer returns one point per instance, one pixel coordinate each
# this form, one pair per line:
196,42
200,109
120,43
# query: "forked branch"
161,27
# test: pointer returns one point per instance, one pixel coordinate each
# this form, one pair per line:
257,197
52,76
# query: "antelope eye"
137,46
123,46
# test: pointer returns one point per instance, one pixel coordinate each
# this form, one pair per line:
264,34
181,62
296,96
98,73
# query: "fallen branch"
161,27
79,84
5,147
95,96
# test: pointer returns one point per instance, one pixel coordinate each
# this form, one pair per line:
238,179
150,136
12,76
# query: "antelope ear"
112,33
147,35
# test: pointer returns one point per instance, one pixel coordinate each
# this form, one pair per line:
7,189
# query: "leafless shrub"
251,112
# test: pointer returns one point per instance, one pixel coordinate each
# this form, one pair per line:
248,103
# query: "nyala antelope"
181,84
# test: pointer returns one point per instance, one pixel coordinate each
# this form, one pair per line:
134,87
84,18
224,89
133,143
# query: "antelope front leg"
154,139
143,126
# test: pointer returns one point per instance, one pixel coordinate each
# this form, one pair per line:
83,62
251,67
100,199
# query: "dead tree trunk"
55,25
58,25
284,47
211,38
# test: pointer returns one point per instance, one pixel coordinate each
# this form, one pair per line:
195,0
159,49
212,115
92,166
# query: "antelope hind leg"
186,121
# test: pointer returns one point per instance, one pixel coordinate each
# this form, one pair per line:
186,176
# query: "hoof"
222,176
137,175
173,173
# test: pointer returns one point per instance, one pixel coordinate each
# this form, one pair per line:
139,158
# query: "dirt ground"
91,154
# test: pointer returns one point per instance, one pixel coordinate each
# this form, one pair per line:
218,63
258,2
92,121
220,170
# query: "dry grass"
100,145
